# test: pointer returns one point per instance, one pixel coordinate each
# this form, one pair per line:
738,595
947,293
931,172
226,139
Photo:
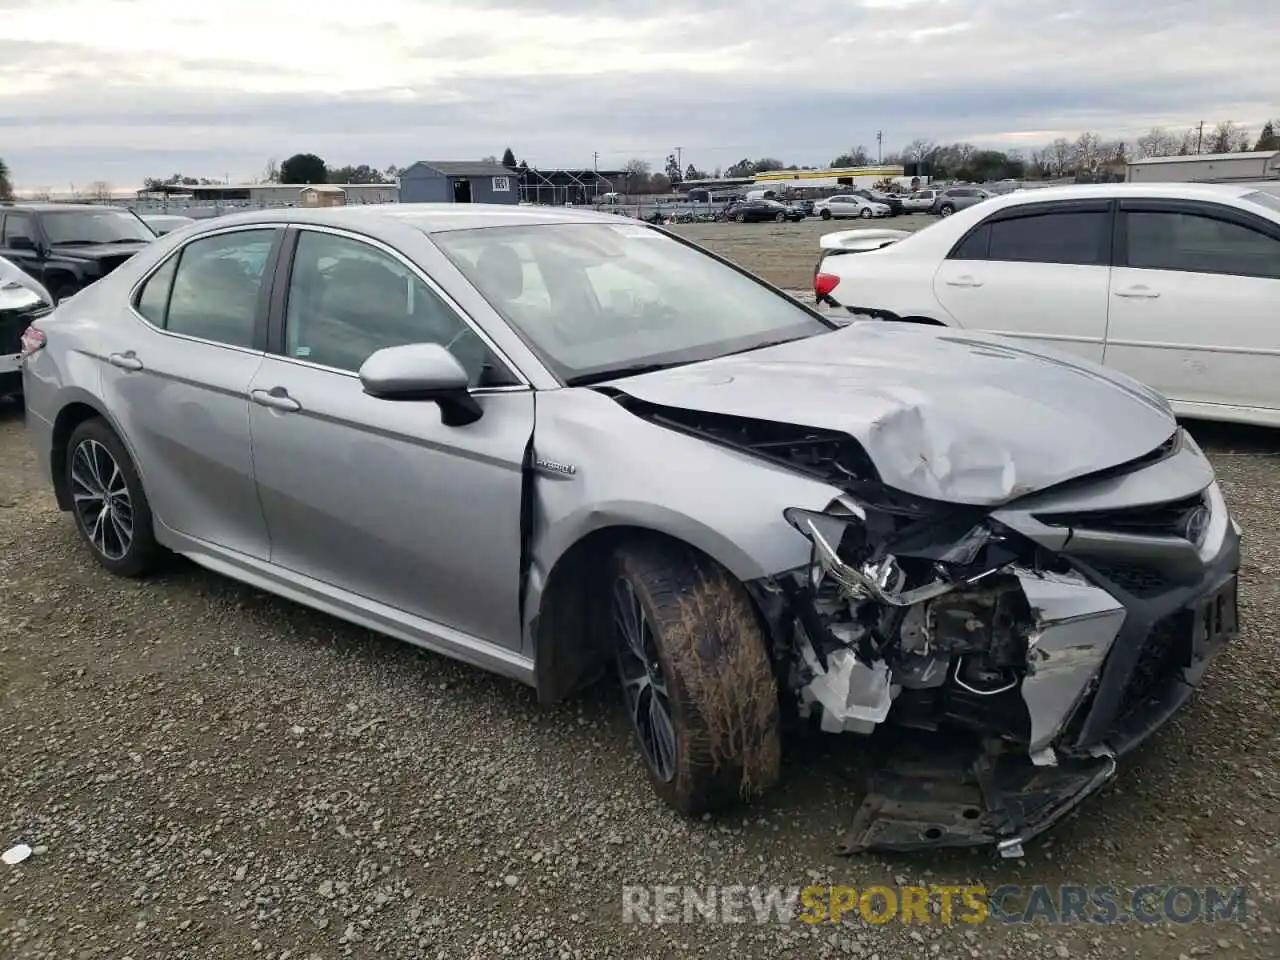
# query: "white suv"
1177,285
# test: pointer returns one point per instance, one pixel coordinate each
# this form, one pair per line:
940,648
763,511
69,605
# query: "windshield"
595,300
96,226
1264,199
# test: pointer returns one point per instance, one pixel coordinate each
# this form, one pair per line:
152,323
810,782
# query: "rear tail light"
33,339
824,283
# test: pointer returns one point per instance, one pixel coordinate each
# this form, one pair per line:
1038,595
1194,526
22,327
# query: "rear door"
1195,302
1038,272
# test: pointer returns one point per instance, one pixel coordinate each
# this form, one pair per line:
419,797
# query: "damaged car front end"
1031,644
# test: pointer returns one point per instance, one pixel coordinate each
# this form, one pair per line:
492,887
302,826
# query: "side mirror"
19,290
22,243
422,371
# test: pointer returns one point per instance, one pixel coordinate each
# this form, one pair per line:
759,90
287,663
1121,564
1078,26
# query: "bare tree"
1087,153
1190,143
100,190
271,172
636,172
1059,154
41,194
1227,137
1157,142
919,150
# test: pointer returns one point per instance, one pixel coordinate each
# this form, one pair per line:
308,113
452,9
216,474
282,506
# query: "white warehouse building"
1256,165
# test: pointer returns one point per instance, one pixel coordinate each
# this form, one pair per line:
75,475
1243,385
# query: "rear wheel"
696,678
109,506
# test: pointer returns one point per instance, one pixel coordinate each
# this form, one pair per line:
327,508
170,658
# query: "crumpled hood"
949,415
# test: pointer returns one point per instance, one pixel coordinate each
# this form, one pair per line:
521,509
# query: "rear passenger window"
154,298
1199,244
216,287
974,246
1069,238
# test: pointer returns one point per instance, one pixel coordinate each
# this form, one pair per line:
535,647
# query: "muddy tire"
691,649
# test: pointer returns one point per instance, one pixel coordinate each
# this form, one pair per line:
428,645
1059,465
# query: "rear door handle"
277,398
125,361
965,281
1138,293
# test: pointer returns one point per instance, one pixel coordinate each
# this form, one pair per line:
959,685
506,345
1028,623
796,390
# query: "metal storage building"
1256,165
453,181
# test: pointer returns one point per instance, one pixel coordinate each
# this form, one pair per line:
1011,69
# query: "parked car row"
1177,285
551,443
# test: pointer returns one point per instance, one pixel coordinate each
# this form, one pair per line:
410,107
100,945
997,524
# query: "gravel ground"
784,253
204,770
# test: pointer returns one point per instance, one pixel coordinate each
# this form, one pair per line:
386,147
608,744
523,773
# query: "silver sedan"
548,442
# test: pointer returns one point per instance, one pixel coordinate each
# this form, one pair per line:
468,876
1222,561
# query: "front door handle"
277,398
965,281
1138,293
125,361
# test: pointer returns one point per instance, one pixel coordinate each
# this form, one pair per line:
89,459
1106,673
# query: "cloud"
122,89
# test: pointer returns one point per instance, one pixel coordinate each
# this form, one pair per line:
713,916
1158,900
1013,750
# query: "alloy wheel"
644,685
101,499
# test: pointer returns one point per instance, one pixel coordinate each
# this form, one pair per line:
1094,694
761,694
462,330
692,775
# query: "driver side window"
348,299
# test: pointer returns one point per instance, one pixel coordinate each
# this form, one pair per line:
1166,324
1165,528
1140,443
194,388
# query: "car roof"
427,217
45,207
1093,191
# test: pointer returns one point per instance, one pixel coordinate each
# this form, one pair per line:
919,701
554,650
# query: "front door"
462,191
1195,304
178,384
1038,273
379,497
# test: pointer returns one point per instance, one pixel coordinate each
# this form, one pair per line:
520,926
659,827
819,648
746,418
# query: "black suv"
67,246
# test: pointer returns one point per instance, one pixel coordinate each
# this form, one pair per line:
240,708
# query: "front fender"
628,472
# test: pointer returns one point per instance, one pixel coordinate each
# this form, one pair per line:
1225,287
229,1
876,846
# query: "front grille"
1164,653
1142,582
1155,520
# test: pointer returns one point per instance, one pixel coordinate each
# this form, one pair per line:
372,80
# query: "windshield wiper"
766,345
617,373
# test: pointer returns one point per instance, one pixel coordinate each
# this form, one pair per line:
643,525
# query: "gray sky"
134,88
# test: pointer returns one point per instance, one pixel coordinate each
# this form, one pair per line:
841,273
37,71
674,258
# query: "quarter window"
216,287
348,299
1069,238
153,301
1199,244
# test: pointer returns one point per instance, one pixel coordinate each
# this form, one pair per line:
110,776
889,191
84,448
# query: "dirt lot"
206,771
784,253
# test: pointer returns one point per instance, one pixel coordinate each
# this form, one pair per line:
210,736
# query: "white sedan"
1177,285
850,205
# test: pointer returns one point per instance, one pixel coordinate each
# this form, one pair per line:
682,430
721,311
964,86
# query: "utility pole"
1199,136
595,161
879,146
680,159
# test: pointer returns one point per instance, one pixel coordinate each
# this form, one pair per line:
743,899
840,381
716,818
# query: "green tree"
6,184
361,174
1267,139
304,168
509,158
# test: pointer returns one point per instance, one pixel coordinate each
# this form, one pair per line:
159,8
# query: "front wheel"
826,214
696,678
779,218
109,506
866,213
741,218
946,210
